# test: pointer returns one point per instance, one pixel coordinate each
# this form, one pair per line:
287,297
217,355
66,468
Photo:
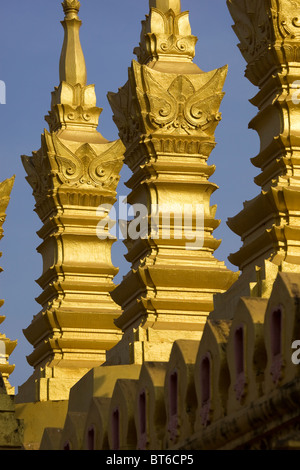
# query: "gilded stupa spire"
72,68
73,104
167,114
75,171
269,225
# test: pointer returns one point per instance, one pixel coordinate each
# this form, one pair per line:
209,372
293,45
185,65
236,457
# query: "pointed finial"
72,68
73,103
166,5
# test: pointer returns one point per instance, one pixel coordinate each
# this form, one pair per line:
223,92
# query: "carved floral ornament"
288,18
66,116
85,166
80,168
73,107
182,108
258,23
166,34
169,104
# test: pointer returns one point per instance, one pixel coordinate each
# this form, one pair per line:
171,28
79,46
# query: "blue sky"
31,39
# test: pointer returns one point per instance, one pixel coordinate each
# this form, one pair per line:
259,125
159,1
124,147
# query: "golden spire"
72,68
74,172
167,114
73,104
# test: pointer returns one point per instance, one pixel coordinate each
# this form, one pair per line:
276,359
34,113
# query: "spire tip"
71,7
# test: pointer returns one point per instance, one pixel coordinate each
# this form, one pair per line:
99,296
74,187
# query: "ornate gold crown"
71,5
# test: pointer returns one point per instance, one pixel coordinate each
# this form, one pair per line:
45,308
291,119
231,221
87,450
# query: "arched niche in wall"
180,393
95,432
282,331
121,423
211,373
150,413
72,435
246,355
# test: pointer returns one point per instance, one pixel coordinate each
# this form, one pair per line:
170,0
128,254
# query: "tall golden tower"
167,114
6,345
269,224
75,172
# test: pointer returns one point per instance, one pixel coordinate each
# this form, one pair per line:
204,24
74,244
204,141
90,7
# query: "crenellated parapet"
235,389
74,176
167,114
